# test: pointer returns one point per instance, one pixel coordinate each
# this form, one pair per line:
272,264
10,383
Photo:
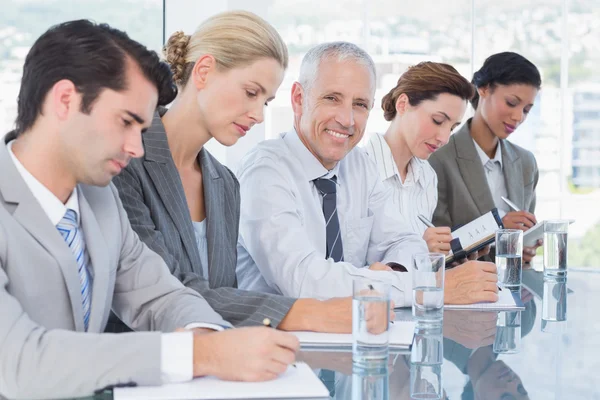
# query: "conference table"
551,359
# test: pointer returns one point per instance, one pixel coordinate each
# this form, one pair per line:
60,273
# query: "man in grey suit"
67,251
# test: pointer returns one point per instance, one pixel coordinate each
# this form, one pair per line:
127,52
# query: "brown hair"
425,81
233,38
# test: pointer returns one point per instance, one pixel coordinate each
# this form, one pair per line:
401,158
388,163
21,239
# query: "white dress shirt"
495,177
282,241
417,194
177,347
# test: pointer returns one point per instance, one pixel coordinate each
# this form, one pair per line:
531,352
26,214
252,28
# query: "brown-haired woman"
428,102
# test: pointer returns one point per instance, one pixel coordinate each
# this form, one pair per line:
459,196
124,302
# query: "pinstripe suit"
153,196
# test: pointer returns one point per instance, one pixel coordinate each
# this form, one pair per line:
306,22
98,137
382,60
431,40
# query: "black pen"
267,323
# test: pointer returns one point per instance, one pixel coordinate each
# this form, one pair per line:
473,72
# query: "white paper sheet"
297,383
400,337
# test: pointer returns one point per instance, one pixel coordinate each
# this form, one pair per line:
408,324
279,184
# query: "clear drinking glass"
370,321
370,383
554,301
555,247
509,255
428,286
426,359
508,332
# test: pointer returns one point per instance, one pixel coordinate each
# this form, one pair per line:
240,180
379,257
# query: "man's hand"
472,282
380,267
244,354
331,316
519,220
438,239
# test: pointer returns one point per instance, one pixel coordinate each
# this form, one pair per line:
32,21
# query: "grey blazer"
43,350
153,195
463,192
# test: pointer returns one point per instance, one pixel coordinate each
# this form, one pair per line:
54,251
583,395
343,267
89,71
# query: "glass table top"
551,360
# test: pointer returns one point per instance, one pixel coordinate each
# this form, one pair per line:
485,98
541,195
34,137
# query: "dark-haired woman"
428,102
479,166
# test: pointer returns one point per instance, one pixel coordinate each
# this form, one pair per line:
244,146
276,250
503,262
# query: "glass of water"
555,247
509,255
554,301
508,332
370,322
428,286
370,383
426,359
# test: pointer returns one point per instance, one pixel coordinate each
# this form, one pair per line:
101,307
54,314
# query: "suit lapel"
31,216
472,171
215,216
513,175
99,263
159,164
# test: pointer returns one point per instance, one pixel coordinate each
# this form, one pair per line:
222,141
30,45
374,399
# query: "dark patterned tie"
327,187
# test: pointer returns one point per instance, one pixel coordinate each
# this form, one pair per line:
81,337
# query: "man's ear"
64,99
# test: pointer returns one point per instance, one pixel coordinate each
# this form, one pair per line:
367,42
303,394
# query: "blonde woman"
186,205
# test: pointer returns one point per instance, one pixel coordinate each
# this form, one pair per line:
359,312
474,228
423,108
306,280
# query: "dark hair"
506,68
93,57
425,81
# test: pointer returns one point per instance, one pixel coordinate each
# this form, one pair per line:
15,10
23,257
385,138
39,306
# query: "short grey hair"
340,51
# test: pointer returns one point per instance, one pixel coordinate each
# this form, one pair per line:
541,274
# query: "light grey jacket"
44,352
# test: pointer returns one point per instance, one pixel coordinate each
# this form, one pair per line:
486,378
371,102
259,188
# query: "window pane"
583,112
22,22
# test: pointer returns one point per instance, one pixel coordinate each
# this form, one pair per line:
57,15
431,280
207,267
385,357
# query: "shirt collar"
484,157
382,154
312,167
52,206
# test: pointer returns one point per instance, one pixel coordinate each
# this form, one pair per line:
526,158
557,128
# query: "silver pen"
510,204
425,221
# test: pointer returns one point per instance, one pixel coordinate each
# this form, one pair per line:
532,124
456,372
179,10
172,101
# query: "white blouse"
417,194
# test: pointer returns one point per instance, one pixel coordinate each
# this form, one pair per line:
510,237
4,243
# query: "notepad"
297,383
400,337
507,301
475,235
535,233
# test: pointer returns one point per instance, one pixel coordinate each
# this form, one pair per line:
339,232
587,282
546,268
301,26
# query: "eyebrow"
445,115
262,90
137,118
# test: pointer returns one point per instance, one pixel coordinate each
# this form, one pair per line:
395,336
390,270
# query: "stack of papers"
400,338
297,382
507,300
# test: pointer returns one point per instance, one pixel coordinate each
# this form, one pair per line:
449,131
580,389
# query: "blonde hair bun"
175,52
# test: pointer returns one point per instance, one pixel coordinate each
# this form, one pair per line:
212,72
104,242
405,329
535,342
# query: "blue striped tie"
70,231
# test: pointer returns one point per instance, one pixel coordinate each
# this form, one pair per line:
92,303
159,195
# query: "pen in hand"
267,324
510,204
425,221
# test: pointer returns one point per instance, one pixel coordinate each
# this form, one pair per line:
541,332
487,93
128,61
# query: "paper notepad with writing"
296,383
507,301
475,235
400,337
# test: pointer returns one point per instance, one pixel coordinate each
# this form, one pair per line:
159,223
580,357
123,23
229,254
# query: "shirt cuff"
176,357
177,353
214,327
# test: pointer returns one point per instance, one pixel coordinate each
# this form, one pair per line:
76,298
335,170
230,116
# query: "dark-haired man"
67,251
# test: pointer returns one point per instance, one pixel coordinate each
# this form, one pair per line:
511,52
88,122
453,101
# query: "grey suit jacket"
43,350
463,192
153,195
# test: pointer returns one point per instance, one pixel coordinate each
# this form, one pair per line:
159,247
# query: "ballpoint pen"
510,204
426,221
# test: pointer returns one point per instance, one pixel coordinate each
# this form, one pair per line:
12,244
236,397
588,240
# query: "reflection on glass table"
560,362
